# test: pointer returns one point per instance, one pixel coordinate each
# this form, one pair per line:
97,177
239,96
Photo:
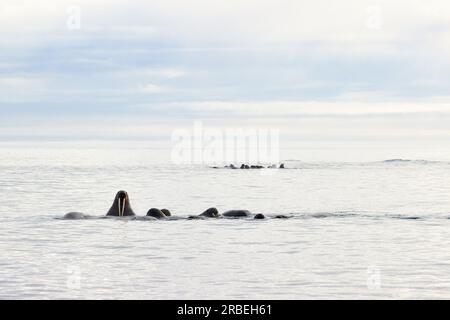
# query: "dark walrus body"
210,213
74,216
156,213
121,206
236,213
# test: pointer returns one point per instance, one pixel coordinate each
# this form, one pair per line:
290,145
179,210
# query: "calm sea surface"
361,226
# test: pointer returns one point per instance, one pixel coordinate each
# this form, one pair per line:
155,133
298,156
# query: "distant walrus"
259,216
236,213
166,212
74,215
156,213
281,216
210,213
121,206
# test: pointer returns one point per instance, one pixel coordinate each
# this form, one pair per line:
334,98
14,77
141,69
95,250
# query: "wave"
409,161
361,215
298,164
278,216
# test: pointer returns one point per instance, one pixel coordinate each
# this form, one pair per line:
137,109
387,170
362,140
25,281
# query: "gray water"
361,227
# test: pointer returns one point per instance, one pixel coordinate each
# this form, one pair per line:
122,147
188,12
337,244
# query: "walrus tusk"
119,207
123,206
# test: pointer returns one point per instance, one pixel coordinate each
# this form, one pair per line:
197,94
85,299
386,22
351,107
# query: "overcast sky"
139,69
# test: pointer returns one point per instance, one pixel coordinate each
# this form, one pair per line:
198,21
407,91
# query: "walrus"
236,213
121,206
210,213
156,213
259,216
281,216
74,216
166,212
282,166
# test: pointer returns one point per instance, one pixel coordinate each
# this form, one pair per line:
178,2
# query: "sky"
350,70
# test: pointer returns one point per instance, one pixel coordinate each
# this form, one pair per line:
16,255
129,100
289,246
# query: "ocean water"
365,222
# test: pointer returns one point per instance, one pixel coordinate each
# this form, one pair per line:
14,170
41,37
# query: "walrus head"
156,213
121,205
211,213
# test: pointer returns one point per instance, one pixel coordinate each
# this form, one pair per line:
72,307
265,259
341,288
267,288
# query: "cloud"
271,62
289,109
232,22
143,72
152,88
17,88
17,82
